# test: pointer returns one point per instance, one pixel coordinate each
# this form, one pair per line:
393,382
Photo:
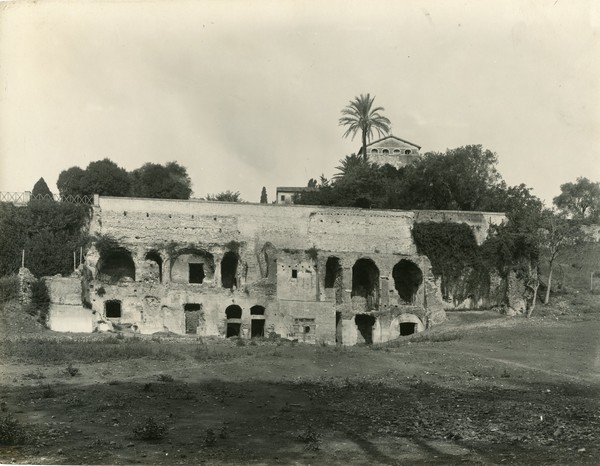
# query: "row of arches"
233,313
407,277
387,151
189,266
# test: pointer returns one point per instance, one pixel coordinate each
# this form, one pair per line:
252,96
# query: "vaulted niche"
407,280
115,264
192,266
234,324
229,266
333,277
154,256
365,282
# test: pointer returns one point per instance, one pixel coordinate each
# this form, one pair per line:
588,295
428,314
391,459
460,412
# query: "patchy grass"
150,429
12,432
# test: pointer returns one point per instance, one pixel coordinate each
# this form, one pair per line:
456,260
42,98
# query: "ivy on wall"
455,257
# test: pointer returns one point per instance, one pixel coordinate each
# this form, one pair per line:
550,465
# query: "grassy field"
482,388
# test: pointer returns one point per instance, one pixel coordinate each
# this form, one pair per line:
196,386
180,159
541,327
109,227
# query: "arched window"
365,282
229,266
374,151
116,264
407,279
385,151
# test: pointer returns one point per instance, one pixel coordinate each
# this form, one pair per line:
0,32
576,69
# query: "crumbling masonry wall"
195,259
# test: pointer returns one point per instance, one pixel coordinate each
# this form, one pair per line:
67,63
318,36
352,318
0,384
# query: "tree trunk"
549,284
364,145
535,289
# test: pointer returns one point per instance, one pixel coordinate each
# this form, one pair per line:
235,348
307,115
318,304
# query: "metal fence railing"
25,197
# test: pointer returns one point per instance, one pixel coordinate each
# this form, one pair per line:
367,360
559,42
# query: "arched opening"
396,151
234,324
192,266
257,322
229,266
115,265
407,151
365,282
154,256
385,151
333,278
407,280
112,309
365,323
407,328
374,151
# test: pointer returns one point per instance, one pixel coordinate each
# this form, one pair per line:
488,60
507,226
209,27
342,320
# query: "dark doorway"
365,282
257,328
229,266
407,328
407,279
365,323
112,309
155,256
233,329
196,273
233,314
257,324
193,317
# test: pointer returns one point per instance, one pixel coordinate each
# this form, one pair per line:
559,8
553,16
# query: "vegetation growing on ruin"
455,258
49,232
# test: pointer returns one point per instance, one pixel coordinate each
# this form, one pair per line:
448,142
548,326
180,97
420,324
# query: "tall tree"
71,182
580,199
164,182
263,196
360,116
41,190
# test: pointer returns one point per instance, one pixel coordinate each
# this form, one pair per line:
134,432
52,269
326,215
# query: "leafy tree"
71,182
40,189
102,177
106,178
164,182
557,234
263,196
347,164
580,199
226,196
360,116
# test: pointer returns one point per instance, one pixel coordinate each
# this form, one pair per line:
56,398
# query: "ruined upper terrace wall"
154,221
145,222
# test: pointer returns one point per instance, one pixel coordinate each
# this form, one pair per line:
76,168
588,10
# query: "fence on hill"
20,198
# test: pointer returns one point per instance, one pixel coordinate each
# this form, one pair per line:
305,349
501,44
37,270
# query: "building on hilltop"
393,151
285,194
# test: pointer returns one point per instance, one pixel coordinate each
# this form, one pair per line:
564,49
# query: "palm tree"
359,114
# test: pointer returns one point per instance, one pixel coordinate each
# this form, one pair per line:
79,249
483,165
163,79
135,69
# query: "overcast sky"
248,94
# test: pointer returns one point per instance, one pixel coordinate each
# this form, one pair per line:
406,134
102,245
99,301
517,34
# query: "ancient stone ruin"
314,274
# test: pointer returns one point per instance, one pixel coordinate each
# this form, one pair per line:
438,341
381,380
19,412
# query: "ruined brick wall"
479,222
281,253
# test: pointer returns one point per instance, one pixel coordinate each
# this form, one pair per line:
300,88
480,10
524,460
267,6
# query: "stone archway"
365,282
234,320
116,264
408,277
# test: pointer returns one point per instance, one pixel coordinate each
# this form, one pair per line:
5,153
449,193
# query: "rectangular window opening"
294,273
196,273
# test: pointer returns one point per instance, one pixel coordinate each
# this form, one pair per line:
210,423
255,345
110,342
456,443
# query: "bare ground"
497,391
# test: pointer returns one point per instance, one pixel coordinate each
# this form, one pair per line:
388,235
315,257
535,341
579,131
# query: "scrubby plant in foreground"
150,429
12,432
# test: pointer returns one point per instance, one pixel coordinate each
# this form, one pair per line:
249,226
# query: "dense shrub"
48,231
9,288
